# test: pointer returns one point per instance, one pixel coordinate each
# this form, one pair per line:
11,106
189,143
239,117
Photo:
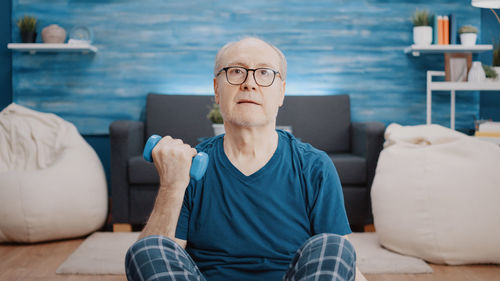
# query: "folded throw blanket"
30,140
422,135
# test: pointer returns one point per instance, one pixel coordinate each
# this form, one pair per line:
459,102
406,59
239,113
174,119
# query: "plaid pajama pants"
322,257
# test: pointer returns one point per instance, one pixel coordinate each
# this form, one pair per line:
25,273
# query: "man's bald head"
220,57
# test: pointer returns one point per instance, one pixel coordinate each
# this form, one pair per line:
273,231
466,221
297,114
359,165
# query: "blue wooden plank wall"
5,56
489,100
332,47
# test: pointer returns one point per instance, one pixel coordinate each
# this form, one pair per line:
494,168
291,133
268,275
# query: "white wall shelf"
452,87
33,48
466,86
416,50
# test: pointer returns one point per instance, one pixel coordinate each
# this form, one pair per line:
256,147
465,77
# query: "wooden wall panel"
332,47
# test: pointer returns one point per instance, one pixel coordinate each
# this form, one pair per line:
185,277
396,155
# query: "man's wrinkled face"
249,104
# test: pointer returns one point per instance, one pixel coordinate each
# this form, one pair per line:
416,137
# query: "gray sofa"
323,121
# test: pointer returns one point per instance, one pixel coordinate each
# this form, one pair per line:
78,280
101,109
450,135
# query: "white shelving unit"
452,87
416,50
33,48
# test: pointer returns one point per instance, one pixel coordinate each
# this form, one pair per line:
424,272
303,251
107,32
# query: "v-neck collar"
226,163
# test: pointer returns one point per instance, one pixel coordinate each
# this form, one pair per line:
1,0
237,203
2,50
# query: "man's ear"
216,88
283,86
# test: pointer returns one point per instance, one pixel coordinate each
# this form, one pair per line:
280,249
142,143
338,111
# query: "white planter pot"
422,35
468,39
218,129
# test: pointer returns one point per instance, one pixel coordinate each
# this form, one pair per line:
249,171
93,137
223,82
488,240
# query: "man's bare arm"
165,214
172,159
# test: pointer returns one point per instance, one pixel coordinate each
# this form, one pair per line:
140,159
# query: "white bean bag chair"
52,183
436,195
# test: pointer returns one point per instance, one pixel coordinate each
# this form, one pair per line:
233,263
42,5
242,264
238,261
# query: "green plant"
467,29
489,71
214,115
421,18
27,24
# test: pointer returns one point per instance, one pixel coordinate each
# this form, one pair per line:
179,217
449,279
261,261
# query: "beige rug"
104,253
100,253
371,258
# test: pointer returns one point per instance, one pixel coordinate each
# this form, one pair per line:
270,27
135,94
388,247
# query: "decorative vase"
28,36
53,34
422,35
468,39
218,129
476,72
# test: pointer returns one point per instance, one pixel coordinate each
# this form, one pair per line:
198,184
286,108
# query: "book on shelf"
440,30
453,29
435,28
490,127
487,134
444,30
489,131
494,140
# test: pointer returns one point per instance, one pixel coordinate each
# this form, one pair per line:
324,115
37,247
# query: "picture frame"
457,66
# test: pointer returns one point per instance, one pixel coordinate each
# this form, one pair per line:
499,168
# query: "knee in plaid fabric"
323,257
160,258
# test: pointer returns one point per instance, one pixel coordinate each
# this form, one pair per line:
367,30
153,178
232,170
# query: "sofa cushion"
322,121
180,116
141,171
351,168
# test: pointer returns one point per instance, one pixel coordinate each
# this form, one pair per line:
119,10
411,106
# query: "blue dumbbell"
198,166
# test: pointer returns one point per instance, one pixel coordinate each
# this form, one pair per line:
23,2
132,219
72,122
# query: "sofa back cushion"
322,121
179,116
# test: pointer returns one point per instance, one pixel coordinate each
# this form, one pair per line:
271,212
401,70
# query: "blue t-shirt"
249,227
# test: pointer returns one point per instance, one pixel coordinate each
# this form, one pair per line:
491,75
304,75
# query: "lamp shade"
492,4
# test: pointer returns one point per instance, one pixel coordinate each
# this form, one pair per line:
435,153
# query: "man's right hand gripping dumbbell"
174,160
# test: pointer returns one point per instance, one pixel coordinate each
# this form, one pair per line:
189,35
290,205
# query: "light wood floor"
40,261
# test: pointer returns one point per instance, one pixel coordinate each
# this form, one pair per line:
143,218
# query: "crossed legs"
322,257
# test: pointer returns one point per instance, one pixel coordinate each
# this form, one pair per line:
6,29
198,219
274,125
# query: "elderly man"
269,207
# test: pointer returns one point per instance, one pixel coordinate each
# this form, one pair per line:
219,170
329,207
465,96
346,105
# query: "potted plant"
490,72
216,117
468,35
27,27
422,31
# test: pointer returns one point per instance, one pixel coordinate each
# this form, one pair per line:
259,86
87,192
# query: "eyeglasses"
264,77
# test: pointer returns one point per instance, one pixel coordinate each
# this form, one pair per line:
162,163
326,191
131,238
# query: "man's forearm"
165,214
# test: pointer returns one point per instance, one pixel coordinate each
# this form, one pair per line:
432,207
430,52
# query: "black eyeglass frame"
246,77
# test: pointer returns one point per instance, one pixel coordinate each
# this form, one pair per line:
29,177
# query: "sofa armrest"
367,141
127,140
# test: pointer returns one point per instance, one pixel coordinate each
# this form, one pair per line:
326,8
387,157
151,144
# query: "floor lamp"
490,4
